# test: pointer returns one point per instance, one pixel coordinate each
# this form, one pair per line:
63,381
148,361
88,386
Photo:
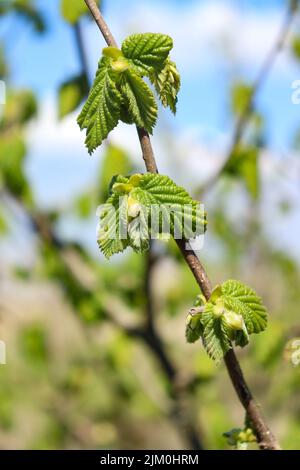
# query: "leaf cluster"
119,91
144,206
231,315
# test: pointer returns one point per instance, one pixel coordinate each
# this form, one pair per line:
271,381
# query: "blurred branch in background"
246,111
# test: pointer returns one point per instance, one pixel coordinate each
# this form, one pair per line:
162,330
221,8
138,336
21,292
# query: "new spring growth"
126,188
133,206
118,62
234,320
193,326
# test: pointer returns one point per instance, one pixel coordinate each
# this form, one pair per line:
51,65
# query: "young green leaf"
193,327
112,233
216,334
167,84
140,101
119,91
101,111
233,312
138,228
154,205
240,439
147,51
176,213
244,300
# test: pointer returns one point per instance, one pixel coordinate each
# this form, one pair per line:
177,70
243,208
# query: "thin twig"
265,437
93,7
147,150
81,51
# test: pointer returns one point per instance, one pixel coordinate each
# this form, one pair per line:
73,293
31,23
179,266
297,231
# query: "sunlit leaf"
154,202
233,312
147,51
101,111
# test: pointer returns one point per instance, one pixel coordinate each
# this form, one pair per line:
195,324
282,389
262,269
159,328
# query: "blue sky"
46,61
206,35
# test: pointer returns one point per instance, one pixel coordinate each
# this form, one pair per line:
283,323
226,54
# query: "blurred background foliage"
96,351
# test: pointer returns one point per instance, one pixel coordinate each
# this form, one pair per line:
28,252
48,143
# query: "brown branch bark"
265,437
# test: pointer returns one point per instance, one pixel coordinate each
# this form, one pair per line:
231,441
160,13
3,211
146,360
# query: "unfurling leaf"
147,51
101,112
244,300
193,327
167,84
216,334
240,439
233,312
144,206
141,104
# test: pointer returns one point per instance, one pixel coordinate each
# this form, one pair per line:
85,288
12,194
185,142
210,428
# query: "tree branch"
106,33
265,437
